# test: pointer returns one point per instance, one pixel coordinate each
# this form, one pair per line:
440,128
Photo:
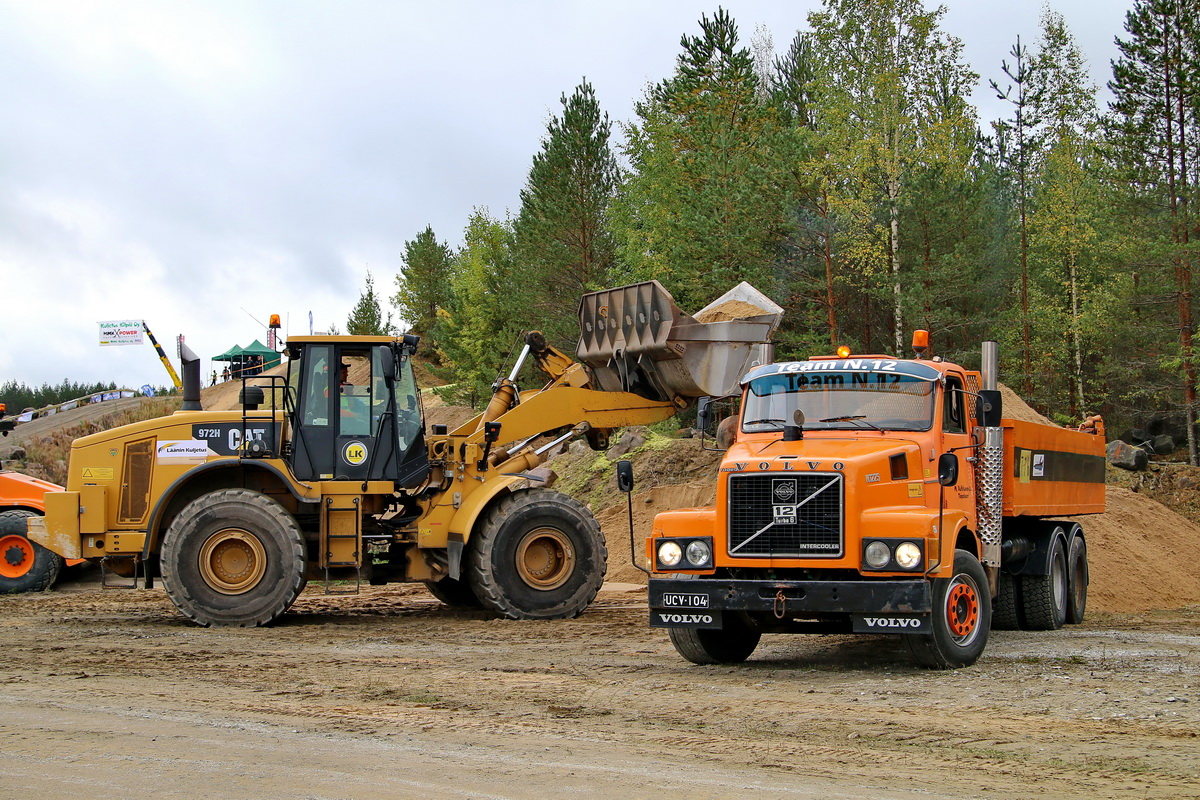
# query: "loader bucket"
635,339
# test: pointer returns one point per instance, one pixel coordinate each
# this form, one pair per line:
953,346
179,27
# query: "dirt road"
112,694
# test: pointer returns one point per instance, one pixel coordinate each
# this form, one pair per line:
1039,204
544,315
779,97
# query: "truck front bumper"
882,606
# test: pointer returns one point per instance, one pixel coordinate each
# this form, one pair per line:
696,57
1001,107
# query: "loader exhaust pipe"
191,379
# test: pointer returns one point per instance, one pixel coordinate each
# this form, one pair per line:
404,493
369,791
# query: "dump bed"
1051,471
635,339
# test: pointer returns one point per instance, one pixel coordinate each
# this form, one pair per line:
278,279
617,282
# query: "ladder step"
110,579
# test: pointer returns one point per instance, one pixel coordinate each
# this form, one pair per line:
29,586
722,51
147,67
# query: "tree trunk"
893,190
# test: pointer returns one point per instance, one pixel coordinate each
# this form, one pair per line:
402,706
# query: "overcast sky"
203,165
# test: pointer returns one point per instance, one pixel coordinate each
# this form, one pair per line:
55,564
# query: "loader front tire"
454,593
25,566
233,558
537,554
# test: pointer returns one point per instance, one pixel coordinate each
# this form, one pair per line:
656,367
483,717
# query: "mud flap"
898,623
685,618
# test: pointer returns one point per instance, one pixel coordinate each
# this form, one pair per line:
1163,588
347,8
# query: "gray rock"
1126,456
1163,444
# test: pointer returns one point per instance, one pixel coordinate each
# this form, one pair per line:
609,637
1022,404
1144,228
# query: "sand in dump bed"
734,309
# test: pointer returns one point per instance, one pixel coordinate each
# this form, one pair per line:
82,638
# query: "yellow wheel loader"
319,478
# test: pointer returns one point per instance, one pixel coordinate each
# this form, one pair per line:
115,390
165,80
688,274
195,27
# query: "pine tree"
366,319
563,244
485,313
424,285
702,209
1023,134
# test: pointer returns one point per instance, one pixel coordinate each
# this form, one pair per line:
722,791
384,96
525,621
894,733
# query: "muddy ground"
111,693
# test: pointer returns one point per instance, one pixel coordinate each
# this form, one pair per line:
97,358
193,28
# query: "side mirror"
703,413
988,408
625,476
948,469
387,363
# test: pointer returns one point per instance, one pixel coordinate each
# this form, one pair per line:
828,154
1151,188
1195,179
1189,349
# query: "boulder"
1163,444
1126,456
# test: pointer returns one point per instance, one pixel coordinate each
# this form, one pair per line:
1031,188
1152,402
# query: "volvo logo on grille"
784,488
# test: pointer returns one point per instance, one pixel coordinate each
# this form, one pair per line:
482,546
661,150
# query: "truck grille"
777,514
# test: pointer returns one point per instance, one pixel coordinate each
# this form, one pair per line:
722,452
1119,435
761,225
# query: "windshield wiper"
767,420
852,418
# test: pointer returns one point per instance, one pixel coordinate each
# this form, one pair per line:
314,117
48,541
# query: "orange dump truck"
871,494
25,566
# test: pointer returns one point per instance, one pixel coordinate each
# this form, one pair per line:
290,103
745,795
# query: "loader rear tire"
233,558
537,554
25,566
454,593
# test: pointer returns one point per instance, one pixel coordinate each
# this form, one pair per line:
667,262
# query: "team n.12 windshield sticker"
354,453
865,370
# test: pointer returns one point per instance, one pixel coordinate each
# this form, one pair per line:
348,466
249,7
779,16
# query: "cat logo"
354,453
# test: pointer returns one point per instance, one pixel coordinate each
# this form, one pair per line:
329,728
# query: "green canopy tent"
249,360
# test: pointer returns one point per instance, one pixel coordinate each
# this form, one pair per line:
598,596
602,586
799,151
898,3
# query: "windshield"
838,399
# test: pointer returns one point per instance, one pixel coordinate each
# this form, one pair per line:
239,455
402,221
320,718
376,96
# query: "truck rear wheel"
454,593
1005,615
537,555
1078,578
25,566
962,616
1044,597
732,644
233,558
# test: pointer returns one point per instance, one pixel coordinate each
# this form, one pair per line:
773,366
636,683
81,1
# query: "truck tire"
536,554
25,566
1005,616
732,644
1078,579
454,593
962,617
233,558
1044,597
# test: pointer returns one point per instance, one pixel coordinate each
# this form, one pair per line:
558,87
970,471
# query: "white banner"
187,451
121,331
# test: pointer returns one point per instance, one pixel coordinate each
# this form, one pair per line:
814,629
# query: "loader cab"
354,410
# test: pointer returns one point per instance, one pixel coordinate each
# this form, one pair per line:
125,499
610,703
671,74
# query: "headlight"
669,554
908,555
877,555
699,554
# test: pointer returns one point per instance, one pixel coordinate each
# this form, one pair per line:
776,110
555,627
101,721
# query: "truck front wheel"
25,566
537,554
233,558
962,616
730,645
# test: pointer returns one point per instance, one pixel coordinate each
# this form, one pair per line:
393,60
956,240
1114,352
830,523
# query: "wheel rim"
1059,581
16,556
962,610
232,561
545,558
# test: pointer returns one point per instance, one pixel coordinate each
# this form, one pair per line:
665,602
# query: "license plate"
684,600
